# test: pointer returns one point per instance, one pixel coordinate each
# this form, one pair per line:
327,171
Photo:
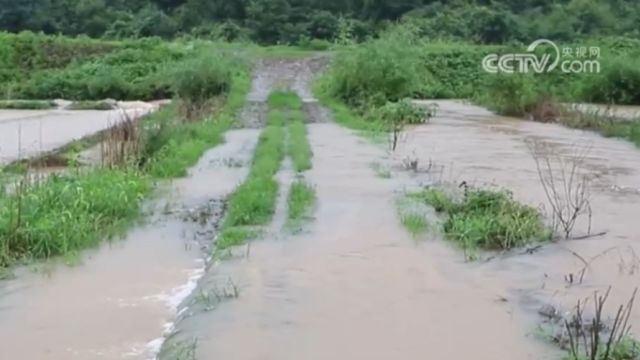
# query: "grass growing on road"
301,200
253,203
299,148
485,219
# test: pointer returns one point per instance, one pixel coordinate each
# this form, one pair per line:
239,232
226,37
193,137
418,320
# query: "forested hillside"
293,21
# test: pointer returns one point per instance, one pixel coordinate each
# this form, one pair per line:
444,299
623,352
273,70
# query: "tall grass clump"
485,219
301,199
65,214
210,74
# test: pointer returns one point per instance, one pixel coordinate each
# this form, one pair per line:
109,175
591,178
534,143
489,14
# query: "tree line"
293,21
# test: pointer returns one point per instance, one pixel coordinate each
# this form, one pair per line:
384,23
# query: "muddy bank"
28,133
120,299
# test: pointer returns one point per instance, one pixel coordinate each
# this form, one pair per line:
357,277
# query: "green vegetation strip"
485,219
26,105
64,214
253,203
302,196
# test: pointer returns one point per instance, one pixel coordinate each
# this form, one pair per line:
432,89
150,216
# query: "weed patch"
65,214
485,219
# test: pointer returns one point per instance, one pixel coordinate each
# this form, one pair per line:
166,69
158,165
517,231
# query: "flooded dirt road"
120,300
27,133
353,284
475,146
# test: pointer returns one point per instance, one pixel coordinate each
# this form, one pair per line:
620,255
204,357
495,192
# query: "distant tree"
267,19
323,25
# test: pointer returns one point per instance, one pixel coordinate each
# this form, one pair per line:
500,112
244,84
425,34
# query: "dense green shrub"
386,69
617,83
204,77
455,70
510,94
129,73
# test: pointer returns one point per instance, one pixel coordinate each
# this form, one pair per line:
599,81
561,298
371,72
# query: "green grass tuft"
299,148
486,219
416,224
234,236
284,100
302,197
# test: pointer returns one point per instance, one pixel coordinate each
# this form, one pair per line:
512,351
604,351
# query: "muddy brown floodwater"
120,300
353,284
475,146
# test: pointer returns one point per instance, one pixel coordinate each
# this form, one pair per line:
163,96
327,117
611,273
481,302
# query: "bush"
618,83
510,94
455,70
203,78
387,69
